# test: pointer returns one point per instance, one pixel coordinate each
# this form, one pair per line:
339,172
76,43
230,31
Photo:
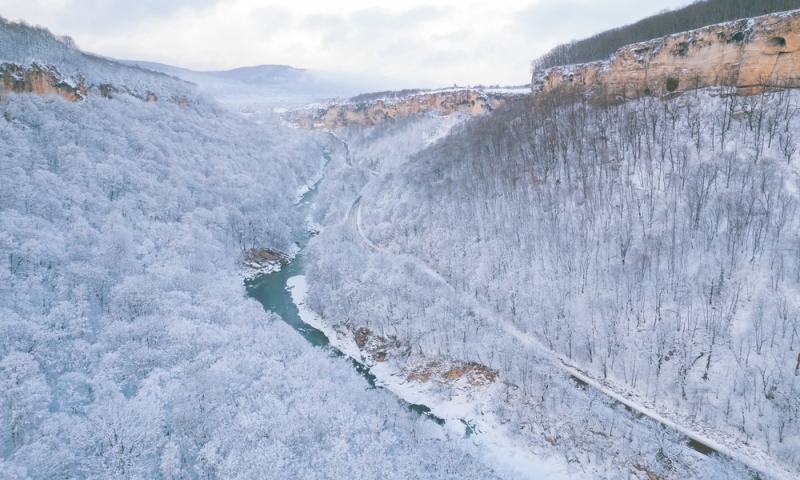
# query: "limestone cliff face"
751,55
380,111
38,80
41,80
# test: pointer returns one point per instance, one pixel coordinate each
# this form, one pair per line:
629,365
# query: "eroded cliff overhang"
751,55
376,112
47,80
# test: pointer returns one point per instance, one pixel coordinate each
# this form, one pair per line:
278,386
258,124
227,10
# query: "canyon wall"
43,81
751,55
380,111
38,80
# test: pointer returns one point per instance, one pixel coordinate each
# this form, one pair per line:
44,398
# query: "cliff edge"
751,55
34,60
379,111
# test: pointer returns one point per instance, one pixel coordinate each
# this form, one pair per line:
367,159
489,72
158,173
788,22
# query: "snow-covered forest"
653,244
127,346
571,285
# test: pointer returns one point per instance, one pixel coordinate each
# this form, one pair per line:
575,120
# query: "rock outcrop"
39,80
751,55
380,111
47,80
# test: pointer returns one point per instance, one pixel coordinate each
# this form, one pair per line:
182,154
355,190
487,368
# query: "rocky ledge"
47,80
751,55
380,111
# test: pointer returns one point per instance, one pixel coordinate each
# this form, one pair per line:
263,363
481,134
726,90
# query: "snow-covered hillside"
25,46
127,346
648,247
574,286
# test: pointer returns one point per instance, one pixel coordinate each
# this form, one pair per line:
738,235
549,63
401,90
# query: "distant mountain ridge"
262,74
272,85
252,75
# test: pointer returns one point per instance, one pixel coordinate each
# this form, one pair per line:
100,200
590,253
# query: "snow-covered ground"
128,348
462,404
442,245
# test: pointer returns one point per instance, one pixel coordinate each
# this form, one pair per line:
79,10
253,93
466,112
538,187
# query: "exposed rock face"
42,80
751,55
38,80
380,111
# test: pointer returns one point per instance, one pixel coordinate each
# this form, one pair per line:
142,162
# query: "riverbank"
462,406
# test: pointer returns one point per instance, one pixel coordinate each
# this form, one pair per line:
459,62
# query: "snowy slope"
127,346
649,246
25,46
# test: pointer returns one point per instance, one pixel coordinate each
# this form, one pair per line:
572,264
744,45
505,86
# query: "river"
270,290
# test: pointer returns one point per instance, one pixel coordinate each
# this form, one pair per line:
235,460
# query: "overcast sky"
441,42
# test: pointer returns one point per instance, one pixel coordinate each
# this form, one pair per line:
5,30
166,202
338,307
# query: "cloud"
102,16
432,42
372,29
575,19
418,41
127,10
273,20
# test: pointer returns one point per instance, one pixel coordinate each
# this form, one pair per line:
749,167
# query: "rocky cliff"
47,80
39,80
751,55
376,112
34,60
